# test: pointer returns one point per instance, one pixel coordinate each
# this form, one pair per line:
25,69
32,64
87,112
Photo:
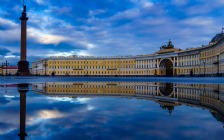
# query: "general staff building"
207,60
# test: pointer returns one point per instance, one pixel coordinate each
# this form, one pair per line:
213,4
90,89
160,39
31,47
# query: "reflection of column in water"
22,88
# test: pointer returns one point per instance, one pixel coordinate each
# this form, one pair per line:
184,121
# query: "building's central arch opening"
166,66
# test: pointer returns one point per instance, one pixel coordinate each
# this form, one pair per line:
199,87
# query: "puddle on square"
111,110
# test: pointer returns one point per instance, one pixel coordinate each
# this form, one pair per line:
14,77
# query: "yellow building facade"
168,61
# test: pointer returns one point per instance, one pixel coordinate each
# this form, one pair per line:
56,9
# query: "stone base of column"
22,136
23,68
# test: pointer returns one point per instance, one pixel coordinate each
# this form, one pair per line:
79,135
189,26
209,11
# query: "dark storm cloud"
4,51
11,60
16,53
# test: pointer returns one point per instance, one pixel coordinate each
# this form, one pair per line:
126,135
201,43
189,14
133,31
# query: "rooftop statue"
216,38
24,8
168,46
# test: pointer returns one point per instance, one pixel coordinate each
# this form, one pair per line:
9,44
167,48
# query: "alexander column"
23,65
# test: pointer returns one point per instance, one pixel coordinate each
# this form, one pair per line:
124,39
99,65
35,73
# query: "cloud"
51,39
59,10
45,38
205,7
96,12
9,32
4,51
84,53
40,2
199,21
180,2
56,53
16,53
8,23
9,36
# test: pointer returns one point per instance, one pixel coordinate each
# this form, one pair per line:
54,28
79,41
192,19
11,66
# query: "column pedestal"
23,68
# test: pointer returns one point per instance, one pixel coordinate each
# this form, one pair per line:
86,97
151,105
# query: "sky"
106,27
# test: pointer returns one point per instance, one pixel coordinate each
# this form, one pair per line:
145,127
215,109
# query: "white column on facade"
187,60
196,59
154,63
150,63
143,63
140,64
183,62
136,65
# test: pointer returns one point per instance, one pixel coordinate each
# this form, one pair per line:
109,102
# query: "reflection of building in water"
168,95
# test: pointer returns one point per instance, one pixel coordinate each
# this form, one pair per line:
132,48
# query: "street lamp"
54,66
6,64
45,65
2,69
36,68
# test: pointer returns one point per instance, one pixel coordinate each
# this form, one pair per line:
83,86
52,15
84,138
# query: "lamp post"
36,68
45,65
2,69
54,66
6,64
204,68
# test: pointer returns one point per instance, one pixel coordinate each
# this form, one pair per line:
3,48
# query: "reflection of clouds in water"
61,99
59,109
69,99
9,96
6,128
89,107
9,120
44,115
3,101
50,114
83,100
98,118
122,118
